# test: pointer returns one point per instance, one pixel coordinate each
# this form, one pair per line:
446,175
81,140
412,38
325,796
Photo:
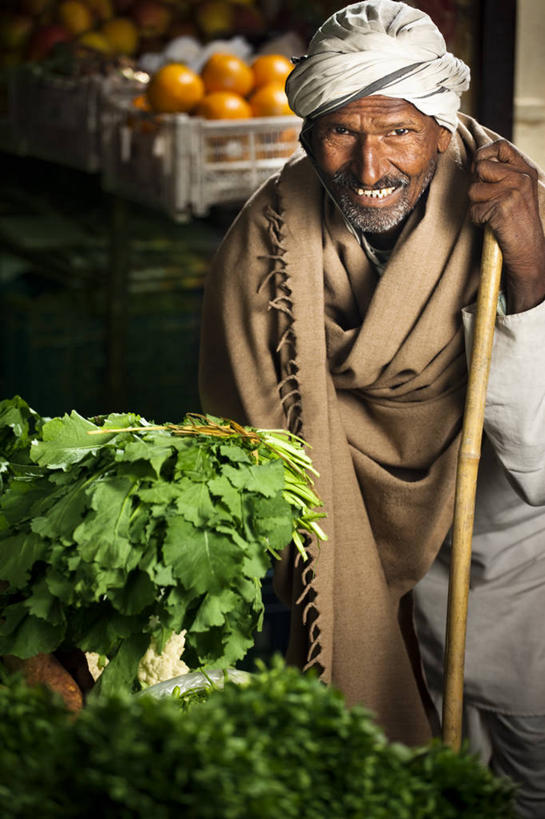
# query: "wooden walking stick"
466,484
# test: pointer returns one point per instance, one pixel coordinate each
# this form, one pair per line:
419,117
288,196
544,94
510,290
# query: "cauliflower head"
153,667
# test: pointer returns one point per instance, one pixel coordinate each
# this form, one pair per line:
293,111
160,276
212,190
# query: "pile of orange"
226,88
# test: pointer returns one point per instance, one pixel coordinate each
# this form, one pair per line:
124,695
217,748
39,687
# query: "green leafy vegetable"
118,531
282,746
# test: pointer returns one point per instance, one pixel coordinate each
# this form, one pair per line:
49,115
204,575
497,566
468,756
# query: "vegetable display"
115,532
282,746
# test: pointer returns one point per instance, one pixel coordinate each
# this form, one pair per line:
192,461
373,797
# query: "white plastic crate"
230,159
184,165
139,160
57,118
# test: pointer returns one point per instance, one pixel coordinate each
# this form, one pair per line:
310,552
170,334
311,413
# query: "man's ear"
444,139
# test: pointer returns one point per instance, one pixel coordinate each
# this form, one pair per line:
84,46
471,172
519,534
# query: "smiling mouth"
374,193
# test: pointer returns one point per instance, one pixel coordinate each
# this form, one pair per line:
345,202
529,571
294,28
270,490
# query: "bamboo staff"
466,484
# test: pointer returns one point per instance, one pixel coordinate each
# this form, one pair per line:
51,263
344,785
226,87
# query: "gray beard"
377,220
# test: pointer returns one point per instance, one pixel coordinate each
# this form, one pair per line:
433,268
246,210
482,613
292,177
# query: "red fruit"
151,17
248,20
46,38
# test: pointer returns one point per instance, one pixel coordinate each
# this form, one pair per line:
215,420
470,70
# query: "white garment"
505,652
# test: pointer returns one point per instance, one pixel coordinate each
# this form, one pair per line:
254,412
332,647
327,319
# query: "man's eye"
338,129
398,132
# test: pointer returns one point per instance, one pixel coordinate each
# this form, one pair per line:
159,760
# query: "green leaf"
65,441
202,560
271,518
122,668
175,607
18,501
223,489
60,585
266,479
146,450
194,502
213,610
100,628
24,635
104,534
17,556
117,420
65,514
194,462
235,454
44,605
257,562
137,593
151,563
18,423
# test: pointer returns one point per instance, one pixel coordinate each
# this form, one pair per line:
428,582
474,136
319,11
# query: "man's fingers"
503,152
487,189
489,170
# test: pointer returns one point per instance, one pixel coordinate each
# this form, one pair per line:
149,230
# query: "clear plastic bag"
195,680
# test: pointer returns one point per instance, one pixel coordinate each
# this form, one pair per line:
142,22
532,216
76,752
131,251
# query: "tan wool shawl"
298,332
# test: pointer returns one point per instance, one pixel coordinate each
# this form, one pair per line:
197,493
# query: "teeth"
374,194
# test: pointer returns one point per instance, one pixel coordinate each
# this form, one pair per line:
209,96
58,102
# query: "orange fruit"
174,88
226,72
223,105
141,103
121,34
270,101
270,68
282,143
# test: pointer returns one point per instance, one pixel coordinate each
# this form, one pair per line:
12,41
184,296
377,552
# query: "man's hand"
504,196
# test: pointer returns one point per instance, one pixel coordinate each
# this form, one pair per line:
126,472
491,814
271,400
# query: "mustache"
346,179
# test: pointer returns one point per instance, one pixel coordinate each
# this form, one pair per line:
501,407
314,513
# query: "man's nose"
370,162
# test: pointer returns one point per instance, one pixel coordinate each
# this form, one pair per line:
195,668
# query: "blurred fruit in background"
248,20
101,9
141,103
75,16
15,30
214,18
45,38
175,88
226,72
270,101
121,35
223,105
148,26
94,41
151,17
270,68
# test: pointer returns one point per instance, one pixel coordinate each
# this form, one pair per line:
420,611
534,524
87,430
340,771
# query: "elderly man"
340,307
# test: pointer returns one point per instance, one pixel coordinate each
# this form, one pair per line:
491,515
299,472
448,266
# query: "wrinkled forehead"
377,105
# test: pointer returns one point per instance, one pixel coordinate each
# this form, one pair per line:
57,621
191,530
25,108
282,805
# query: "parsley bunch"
119,531
282,746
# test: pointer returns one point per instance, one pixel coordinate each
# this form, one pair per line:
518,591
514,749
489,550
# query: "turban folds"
378,47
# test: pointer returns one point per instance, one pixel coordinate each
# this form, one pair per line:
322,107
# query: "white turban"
378,47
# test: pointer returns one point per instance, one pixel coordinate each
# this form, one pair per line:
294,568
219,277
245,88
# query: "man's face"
378,155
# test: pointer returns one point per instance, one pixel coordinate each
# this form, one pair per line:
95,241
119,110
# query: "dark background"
100,298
